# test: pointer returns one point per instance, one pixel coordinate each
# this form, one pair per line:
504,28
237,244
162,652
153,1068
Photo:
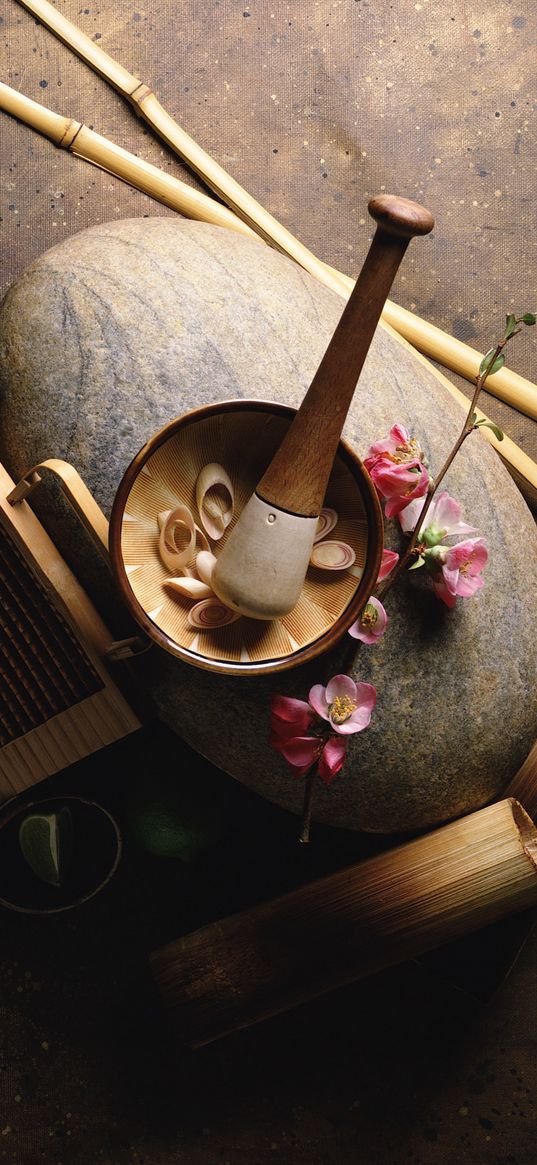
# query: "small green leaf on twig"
529,318
490,425
46,841
510,325
496,364
420,561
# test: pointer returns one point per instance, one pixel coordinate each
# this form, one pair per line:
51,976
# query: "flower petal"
341,685
300,751
318,701
389,560
332,759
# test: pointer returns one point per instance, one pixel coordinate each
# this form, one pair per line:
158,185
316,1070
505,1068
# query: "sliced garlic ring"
332,555
210,614
325,522
177,540
189,588
205,564
214,499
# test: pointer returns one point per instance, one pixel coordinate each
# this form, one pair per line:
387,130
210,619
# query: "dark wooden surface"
314,108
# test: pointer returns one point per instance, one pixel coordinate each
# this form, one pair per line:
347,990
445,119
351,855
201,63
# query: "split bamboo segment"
332,932
432,341
92,147
524,784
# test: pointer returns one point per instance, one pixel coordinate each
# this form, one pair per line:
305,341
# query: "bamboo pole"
393,907
432,341
92,147
72,135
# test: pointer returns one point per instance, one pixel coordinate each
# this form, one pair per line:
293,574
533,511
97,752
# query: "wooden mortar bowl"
242,436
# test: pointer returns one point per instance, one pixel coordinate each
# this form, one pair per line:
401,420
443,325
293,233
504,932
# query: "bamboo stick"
353,923
432,341
92,147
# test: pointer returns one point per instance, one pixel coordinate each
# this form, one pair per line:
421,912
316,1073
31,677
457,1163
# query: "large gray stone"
126,325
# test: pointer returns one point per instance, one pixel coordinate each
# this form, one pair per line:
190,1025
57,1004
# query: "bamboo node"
139,95
71,133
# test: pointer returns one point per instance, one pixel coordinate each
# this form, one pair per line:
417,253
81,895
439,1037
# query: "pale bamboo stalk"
353,923
507,385
92,147
524,783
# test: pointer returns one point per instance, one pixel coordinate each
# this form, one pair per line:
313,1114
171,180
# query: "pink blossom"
371,623
443,519
461,571
301,752
289,717
389,559
332,758
399,484
347,706
399,446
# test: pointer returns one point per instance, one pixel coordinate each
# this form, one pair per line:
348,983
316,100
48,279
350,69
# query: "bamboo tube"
353,923
92,147
524,783
432,341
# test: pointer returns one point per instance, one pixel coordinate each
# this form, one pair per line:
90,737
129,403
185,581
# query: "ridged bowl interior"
243,439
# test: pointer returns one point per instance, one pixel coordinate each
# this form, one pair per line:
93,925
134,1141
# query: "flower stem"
306,808
467,428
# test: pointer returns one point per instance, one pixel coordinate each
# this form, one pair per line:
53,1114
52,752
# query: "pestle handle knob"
400,216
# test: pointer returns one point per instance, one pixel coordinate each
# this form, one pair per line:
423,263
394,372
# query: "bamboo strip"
92,147
524,783
353,923
432,341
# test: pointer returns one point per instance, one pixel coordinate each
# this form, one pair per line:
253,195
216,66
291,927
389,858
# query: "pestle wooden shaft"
357,921
297,476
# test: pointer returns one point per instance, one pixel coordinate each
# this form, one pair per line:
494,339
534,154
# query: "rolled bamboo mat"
524,784
432,341
392,907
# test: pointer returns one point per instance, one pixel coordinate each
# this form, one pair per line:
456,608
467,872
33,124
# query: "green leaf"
485,361
420,561
529,318
510,325
46,841
490,425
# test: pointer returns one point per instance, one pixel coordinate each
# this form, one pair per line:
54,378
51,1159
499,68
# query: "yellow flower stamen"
341,709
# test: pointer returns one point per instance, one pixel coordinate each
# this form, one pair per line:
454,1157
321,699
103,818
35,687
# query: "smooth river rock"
127,325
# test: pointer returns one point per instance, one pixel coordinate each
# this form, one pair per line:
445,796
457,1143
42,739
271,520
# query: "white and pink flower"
460,573
345,705
371,623
443,519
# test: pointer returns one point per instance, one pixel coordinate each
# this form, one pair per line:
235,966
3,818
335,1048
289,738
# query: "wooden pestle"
262,567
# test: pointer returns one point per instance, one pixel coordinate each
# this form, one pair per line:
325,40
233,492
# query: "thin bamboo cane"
332,932
92,147
432,341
